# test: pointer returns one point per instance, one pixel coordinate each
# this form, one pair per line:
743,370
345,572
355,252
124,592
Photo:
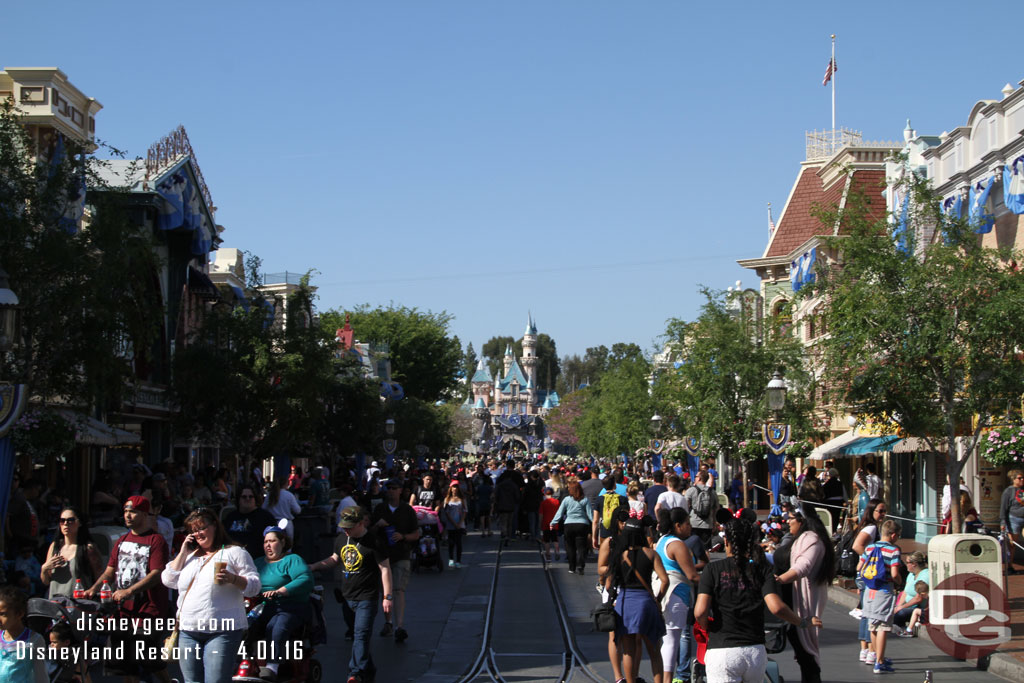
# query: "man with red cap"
134,569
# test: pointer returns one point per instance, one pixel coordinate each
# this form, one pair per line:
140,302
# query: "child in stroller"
427,553
14,632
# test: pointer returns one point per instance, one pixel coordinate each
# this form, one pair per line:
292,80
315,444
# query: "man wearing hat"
366,572
134,569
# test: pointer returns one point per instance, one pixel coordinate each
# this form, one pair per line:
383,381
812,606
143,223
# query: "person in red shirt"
548,508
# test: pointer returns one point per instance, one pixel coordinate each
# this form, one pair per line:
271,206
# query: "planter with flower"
1003,445
799,449
751,450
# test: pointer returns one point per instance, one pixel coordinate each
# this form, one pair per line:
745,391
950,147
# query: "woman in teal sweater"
287,583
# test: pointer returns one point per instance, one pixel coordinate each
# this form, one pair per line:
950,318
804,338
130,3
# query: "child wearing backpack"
879,569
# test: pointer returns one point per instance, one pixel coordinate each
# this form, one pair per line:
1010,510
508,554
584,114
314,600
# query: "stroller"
427,552
43,614
297,662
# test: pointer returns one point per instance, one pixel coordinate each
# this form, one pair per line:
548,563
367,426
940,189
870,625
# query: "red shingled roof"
798,222
869,184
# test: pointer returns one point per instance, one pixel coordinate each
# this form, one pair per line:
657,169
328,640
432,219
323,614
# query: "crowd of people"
200,549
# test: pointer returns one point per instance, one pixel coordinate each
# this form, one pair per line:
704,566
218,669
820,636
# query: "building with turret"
509,407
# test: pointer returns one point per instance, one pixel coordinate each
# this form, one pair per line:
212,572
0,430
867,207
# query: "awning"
831,447
870,444
913,444
199,283
92,432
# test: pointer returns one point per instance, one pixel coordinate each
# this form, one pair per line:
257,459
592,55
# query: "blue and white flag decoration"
979,199
801,271
899,233
1013,185
183,208
953,206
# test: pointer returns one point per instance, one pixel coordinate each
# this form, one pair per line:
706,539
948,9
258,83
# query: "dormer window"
515,389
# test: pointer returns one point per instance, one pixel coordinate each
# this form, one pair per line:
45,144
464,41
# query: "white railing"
823,144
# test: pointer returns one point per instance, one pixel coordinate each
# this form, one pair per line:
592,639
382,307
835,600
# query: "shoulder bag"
172,640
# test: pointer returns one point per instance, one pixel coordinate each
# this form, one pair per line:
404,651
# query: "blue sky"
591,161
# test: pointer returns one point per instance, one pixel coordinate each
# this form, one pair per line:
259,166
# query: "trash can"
952,554
966,555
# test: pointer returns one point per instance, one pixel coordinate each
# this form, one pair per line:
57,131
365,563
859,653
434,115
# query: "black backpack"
846,558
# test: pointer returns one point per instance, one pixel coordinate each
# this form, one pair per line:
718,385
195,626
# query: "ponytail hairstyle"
745,548
668,518
632,538
275,491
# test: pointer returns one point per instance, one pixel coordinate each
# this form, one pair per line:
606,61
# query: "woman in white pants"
674,526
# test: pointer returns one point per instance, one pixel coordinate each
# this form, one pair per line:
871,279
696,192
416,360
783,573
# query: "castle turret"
530,352
509,358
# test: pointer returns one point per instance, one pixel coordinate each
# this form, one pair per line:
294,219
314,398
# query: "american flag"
832,68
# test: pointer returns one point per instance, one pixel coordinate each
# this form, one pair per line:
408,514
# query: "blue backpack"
874,573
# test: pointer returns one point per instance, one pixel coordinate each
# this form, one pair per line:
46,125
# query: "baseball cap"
138,503
392,484
351,516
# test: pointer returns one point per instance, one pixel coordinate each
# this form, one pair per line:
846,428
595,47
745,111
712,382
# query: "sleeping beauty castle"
509,407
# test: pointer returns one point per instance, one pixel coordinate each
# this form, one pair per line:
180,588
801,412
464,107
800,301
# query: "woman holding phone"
212,576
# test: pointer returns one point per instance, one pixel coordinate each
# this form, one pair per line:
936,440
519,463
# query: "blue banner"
656,462
1013,185
775,478
693,465
979,200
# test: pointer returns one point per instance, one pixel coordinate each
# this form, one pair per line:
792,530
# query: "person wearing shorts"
880,602
399,520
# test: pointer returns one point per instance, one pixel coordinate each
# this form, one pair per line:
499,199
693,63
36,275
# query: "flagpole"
833,83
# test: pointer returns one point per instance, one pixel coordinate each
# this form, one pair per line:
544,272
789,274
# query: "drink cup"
389,531
217,566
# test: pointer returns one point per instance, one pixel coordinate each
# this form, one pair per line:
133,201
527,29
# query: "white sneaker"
451,563
856,613
864,655
870,658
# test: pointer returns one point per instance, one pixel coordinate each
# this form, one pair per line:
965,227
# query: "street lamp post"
390,444
776,434
13,397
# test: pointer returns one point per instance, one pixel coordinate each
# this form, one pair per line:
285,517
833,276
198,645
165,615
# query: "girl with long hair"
631,565
282,504
867,533
674,527
730,606
452,513
574,515
808,563
71,557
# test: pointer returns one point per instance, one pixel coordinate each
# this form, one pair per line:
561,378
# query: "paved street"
446,613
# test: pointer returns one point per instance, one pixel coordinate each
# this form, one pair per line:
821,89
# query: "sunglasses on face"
68,520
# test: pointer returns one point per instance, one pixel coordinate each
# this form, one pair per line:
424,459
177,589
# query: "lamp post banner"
13,400
390,445
776,436
657,445
692,444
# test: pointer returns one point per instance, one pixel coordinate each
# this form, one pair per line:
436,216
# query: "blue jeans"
218,653
533,522
361,661
687,649
281,621
863,633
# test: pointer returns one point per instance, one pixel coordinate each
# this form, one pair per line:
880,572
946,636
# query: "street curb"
1000,664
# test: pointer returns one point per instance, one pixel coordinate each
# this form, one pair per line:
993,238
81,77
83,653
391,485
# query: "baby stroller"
297,662
427,552
43,614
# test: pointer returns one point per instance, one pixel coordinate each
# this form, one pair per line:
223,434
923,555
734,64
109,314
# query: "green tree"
494,351
89,303
617,411
927,335
469,363
585,370
425,360
718,392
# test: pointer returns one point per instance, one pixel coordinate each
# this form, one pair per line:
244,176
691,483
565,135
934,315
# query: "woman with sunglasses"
71,557
804,569
867,533
212,576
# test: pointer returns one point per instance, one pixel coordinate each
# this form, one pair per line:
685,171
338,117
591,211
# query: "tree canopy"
926,333
425,360
616,412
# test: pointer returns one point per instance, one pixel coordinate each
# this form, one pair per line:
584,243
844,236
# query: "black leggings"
455,544
576,545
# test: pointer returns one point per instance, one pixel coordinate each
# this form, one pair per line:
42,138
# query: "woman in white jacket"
212,576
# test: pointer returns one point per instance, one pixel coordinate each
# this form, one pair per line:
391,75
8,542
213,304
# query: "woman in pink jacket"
811,570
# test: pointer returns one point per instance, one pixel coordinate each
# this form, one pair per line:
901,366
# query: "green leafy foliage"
89,298
425,360
929,337
616,412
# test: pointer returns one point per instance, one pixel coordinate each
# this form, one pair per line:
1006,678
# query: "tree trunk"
953,468
743,468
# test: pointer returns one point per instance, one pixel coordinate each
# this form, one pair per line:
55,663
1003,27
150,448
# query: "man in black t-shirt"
367,572
400,516
425,495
